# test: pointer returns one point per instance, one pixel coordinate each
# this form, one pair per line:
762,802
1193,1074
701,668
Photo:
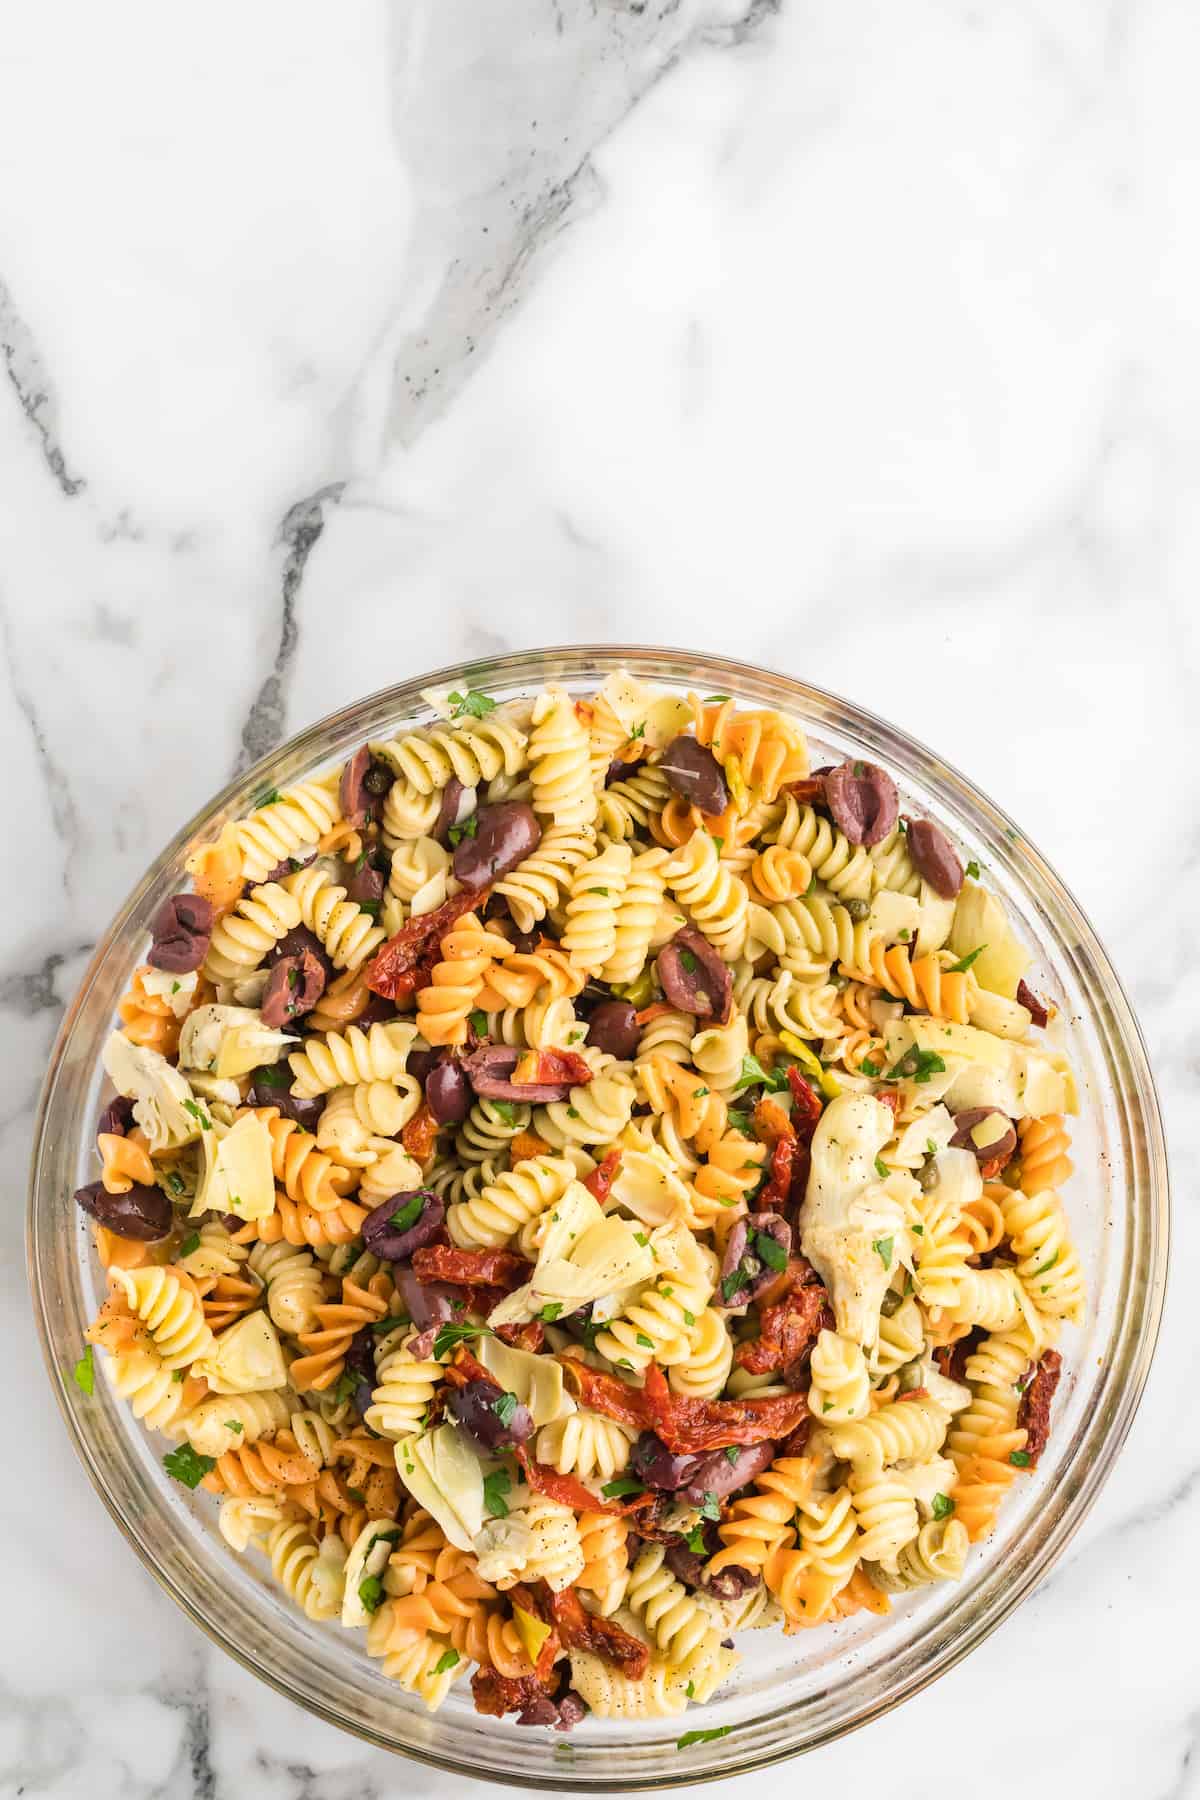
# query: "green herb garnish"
186,1466
473,703
450,1336
191,1242
702,1737
84,1372
495,1487
772,1253
883,1249
964,962
624,1484
943,1506
505,1407
881,1168
446,1660
1020,1459
408,1214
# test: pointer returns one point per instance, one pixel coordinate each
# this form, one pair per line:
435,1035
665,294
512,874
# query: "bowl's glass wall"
790,1693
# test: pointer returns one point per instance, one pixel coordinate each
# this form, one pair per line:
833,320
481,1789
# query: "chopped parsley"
370,1592
468,828
505,1407
273,1075
477,705
647,1343
694,1540
446,1660
198,1113
733,1283
690,1690
687,958
883,1250
191,1242
408,1214
973,869
711,1506
346,1384
505,1111
551,1311
881,1168
859,770
943,1506
84,1372
719,842
689,1318
916,1065
268,797
603,891
639,730
381,1327
716,699
496,1487
235,1425
964,962
624,1484
450,1336
1020,1459
868,1067
771,1252
753,1073
702,1737
639,1237
187,1466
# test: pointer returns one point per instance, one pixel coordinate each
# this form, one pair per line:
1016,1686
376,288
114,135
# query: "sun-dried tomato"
420,1134
538,1068
806,1105
771,1122
808,792
471,1268
580,1630
776,1191
790,1318
1034,1415
390,970
530,1336
599,1182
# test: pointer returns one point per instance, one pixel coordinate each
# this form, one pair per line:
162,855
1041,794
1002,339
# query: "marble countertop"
344,342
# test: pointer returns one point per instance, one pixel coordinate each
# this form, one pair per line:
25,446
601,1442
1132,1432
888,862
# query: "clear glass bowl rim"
1130,1348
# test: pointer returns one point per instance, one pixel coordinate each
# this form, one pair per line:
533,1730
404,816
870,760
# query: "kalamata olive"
394,1242
537,1708
271,1086
457,804
572,1707
116,1118
421,1063
377,1011
657,1466
688,1565
427,1303
1039,1013
365,883
143,1214
862,800
715,1474
755,1251
496,1420
732,1582
181,929
619,771
293,988
360,1354
449,1093
934,857
490,1067
613,1028
694,772
291,865
964,1124
300,938
693,976
505,834
352,793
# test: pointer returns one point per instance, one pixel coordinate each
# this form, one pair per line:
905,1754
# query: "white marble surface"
859,339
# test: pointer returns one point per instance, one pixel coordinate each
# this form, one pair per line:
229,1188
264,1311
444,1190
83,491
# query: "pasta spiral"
676,1619
555,1555
1047,1262
908,1429
243,937
305,1173
349,934
585,1444
338,1060
537,884
597,887
558,757
845,869
636,917
473,750
1042,1153
886,1513
168,1305
595,1114
757,1524
142,1378
298,817
499,1211
294,1284
703,1372
717,900
294,1554
405,1386
455,988
841,1388
602,1539
937,1553
923,981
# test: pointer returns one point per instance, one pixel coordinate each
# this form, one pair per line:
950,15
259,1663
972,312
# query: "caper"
858,909
928,1176
892,1302
912,1375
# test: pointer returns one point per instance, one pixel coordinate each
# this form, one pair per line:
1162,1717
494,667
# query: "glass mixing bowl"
789,1694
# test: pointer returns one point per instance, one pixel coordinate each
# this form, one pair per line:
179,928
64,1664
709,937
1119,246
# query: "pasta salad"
581,1184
